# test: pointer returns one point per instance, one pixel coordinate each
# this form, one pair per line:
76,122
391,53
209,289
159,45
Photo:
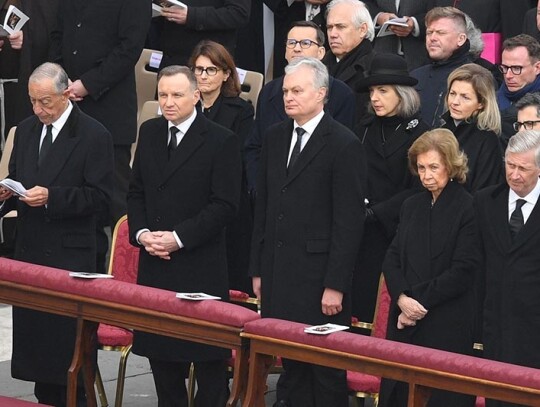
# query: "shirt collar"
186,124
311,124
59,123
531,197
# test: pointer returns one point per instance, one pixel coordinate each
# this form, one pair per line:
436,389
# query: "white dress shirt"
527,208
309,127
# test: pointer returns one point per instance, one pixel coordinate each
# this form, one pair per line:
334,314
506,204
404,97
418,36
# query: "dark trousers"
315,386
212,383
55,395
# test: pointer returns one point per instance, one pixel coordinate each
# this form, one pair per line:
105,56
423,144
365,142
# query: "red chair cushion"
109,335
11,402
124,256
480,402
238,295
366,383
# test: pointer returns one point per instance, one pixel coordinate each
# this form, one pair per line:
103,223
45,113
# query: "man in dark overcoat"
184,190
98,43
56,223
308,223
509,221
215,20
350,32
270,108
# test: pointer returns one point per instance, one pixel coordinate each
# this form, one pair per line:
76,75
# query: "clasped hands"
36,196
411,311
159,243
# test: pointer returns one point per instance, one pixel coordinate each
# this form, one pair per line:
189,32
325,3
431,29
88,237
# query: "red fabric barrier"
11,402
399,352
124,293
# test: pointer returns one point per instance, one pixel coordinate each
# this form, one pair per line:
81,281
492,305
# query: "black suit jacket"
511,328
78,174
99,42
196,194
308,221
216,20
529,24
271,110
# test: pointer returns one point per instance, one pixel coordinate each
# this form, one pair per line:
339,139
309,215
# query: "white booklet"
14,21
325,329
196,296
14,186
157,5
82,274
385,28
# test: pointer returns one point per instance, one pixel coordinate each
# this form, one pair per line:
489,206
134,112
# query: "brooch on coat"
412,124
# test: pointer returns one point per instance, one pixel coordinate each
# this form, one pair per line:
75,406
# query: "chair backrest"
149,110
6,154
124,260
145,80
253,83
382,309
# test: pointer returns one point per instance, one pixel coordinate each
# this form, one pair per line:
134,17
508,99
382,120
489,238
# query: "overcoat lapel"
60,150
531,227
397,140
190,143
315,143
500,211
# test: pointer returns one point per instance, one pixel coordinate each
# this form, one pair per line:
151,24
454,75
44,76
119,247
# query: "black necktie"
173,142
297,147
516,219
45,144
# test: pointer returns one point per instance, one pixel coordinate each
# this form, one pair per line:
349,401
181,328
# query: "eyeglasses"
210,70
304,44
516,69
528,124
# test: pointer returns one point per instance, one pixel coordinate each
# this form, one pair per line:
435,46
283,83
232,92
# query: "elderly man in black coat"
185,189
304,39
308,223
508,217
350,32
65,159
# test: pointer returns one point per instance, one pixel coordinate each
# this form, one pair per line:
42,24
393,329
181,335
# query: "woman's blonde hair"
489,116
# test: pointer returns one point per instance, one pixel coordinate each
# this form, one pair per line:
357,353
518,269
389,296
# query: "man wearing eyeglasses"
528,113
520,67
304,39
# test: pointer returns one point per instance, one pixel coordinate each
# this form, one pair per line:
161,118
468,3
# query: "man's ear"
462,38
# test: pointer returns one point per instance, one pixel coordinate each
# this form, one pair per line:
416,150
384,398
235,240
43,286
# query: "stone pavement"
139,388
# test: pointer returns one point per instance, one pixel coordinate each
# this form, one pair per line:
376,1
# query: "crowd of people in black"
406,155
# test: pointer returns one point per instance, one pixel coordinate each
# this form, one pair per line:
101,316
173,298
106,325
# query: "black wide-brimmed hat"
386,69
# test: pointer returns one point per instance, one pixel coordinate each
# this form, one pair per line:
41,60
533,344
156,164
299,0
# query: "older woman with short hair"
387,132
431,263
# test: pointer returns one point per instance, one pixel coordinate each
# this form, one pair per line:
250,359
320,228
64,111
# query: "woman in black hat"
386,132
474,117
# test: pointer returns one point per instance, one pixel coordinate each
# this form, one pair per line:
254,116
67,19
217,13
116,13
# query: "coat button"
47,252
79,25
160,189
283,190
75,52
158,219
279,243
280,216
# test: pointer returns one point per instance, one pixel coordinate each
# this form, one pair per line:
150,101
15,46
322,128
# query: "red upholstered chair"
11,402
362,385
123,265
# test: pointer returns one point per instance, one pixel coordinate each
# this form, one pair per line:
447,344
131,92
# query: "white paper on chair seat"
324,329
81,274
196,296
